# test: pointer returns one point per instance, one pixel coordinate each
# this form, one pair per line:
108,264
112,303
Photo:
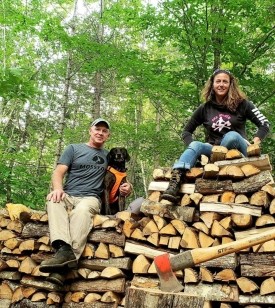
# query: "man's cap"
100,120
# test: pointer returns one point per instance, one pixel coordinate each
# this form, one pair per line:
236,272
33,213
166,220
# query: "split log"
267,286
92,297
205,240
265,220
189,239
100,285
246,285
241,198
249,170
110,297
145,282
116,251
102,252
98,264
196,198
231,172
214,292
272,207
112,273
230,208
162,186
185,200
179,225
209,217
194,173
262,162
218,153
226,274
160,221
253,150
141,265
217,230
164,210
138,235
137,297
151,227
233,154
269,189
206,275
260,198
30,281
174,242
190,275
210,171
154,239
128,227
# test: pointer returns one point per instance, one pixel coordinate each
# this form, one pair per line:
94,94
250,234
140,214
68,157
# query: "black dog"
113,202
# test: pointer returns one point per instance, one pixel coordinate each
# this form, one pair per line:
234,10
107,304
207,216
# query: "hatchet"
165,264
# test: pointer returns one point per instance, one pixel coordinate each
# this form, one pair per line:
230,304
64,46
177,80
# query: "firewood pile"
225,199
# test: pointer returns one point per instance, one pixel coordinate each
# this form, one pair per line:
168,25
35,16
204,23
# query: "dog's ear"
110,155
127,156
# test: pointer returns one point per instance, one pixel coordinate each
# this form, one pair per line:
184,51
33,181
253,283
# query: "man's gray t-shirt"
87,168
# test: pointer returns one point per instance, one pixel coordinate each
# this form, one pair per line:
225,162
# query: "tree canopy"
140,64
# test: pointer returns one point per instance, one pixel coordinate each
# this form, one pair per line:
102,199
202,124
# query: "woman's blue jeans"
231,140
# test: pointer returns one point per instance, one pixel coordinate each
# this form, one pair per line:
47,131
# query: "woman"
223,116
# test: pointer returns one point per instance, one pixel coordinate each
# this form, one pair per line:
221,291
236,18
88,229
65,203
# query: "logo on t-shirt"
98,160
221,121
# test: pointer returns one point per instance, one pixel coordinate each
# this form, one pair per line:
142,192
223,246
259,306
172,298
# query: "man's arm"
58,193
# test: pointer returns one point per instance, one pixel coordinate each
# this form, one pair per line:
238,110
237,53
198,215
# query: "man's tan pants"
70,220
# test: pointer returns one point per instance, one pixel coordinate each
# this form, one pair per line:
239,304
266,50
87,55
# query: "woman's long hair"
234,96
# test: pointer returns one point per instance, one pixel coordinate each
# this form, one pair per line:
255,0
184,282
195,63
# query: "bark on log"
107,237
257,264
144,298
254,183
212,186
230,208
257,299
99,264
99,285
214,291
170,211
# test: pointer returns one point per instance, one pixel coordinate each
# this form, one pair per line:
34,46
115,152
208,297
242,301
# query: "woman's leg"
189,157
233,140
186,161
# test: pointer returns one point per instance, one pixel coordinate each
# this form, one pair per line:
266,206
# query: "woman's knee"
195,146
232,136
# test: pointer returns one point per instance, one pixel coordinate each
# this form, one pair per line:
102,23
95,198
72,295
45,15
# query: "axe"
165,264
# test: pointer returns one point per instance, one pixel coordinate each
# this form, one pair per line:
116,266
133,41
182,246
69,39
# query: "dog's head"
118,155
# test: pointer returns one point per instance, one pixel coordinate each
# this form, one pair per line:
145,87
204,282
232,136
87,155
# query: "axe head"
168,280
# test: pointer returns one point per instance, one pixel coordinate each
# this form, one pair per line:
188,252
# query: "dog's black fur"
117,158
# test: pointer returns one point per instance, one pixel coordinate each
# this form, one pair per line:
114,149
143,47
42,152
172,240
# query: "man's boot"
171,192
64,257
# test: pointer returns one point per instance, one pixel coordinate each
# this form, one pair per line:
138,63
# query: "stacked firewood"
226,198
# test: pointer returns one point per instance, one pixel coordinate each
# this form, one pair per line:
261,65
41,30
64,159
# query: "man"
71,206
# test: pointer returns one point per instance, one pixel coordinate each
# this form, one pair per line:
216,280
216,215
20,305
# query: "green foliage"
141,66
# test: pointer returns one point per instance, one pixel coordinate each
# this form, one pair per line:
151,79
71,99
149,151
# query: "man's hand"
56,195
125,189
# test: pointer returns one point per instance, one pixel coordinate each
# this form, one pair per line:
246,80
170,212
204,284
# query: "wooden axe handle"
199,255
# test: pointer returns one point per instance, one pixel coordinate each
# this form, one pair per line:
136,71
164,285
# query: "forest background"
139,64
